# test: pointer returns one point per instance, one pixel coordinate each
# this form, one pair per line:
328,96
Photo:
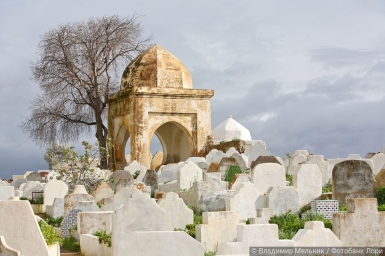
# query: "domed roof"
231,129
156,67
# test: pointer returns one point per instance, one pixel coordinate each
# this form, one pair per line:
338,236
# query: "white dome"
231,129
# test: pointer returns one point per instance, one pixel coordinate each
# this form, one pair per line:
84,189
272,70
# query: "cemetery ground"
220,204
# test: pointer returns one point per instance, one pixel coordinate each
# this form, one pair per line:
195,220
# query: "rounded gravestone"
151,179
380,180
352,179
16,183
34,176
117,176
263,160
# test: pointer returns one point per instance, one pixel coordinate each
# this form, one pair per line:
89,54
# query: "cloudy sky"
298,74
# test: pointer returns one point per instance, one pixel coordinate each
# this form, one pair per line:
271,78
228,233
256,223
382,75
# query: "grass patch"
327,188
289,223
49,234
71,244
56,222
103,237
289,178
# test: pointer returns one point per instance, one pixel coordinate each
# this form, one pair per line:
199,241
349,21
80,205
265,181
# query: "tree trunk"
101,136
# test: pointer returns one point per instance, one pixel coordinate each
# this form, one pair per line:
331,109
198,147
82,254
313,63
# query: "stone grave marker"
214,156
241,160
139,213
378,162
90,222
256,149
283,199
102,191
168,172
6,192
379,180
135,166
180,214
263,216
351,179
56,209
116,176
256,235
217,227
224,165
244,201
18,182
187,175
264,160
267,175
238,180
213,167
323,166
151,179
231,172
294,162
307,179
32,186
20,228
54,189
6,250
315,234
79,194
177,243
34,176
362,225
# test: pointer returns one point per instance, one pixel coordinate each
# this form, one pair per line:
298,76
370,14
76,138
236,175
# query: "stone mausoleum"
156,97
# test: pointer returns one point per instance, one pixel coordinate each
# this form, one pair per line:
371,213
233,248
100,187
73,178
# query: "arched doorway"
122,147
176,142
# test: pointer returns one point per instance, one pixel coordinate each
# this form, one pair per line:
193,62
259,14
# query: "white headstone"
79,194
168,172
54,189
241,159
159,243
378,162
56,209
267,175
217,227
90,222
323,166
32,186
255,149
6,192
315,234
20,229
214,156
139,213
307,179
301,151
255,235
180,214
294,162
102,191
231,151
6,250
363,225
187,175
136,166
282,199
354,157
243,201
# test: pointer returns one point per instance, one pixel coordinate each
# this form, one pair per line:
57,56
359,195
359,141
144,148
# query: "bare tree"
77,69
